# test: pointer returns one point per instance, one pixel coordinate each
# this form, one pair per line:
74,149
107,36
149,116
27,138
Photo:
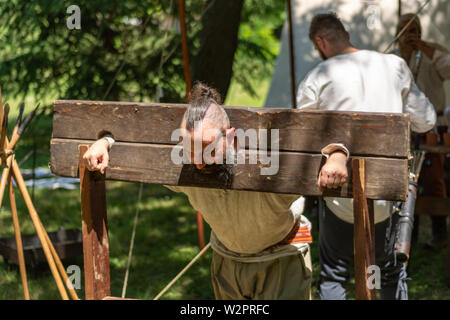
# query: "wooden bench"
378,142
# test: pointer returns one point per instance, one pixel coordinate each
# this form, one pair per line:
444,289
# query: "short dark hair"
200,98
328,26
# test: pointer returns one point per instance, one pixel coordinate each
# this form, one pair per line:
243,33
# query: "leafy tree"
130,50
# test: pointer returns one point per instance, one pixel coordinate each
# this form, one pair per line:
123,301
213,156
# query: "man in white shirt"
364,81
259,248
430,65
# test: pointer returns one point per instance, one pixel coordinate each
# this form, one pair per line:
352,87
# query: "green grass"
238,97
426,269
166,240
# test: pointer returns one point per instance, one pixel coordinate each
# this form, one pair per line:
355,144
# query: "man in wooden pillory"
259,240
350,79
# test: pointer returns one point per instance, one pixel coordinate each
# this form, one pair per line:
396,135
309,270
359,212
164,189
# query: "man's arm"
439,56
307,97
441,61
422,113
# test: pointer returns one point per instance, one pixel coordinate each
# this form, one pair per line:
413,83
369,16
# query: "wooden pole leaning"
188,82
17,233
53,259
14,215
7,151
39,230
364,232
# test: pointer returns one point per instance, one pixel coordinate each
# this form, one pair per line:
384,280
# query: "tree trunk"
213,64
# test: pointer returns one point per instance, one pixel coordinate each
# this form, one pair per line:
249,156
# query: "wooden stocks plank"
297,174
95,232
369,134
364,233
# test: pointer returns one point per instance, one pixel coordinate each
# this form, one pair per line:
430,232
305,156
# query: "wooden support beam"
386,178
378,142
363,133
364,232
95,232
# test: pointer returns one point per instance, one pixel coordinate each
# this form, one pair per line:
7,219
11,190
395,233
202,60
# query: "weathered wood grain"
364,232
376,134
95,232
149,163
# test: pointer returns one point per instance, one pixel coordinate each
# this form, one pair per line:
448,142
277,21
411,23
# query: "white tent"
371,24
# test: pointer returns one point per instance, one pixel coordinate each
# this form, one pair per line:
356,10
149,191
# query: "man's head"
412,33
207,126
328,35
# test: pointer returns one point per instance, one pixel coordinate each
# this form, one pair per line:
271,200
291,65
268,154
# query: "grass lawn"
166,240
166,237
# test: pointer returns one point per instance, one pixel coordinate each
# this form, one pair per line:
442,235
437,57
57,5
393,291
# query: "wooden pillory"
378,142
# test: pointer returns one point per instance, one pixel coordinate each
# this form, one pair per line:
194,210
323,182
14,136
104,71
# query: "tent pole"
187,79
291,53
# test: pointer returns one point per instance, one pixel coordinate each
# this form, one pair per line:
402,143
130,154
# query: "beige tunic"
245,223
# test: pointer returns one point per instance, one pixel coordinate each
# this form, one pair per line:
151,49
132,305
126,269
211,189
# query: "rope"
183,271
130,251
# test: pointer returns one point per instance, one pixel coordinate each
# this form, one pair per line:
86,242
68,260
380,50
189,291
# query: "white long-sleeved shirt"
365,81
431,76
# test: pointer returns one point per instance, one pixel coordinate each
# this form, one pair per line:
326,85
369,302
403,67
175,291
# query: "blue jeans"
336,258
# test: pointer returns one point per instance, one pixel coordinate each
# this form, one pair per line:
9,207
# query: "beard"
322,55
224,172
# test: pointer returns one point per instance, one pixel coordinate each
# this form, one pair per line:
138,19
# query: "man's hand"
417,44
97,156
334,173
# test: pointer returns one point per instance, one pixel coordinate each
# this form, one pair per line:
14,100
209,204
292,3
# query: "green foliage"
42,57
259,43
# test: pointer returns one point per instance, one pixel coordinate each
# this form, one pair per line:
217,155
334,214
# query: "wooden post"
364,233
187,80
95,231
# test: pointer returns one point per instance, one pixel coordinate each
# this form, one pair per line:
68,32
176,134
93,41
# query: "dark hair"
328,26
200,98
